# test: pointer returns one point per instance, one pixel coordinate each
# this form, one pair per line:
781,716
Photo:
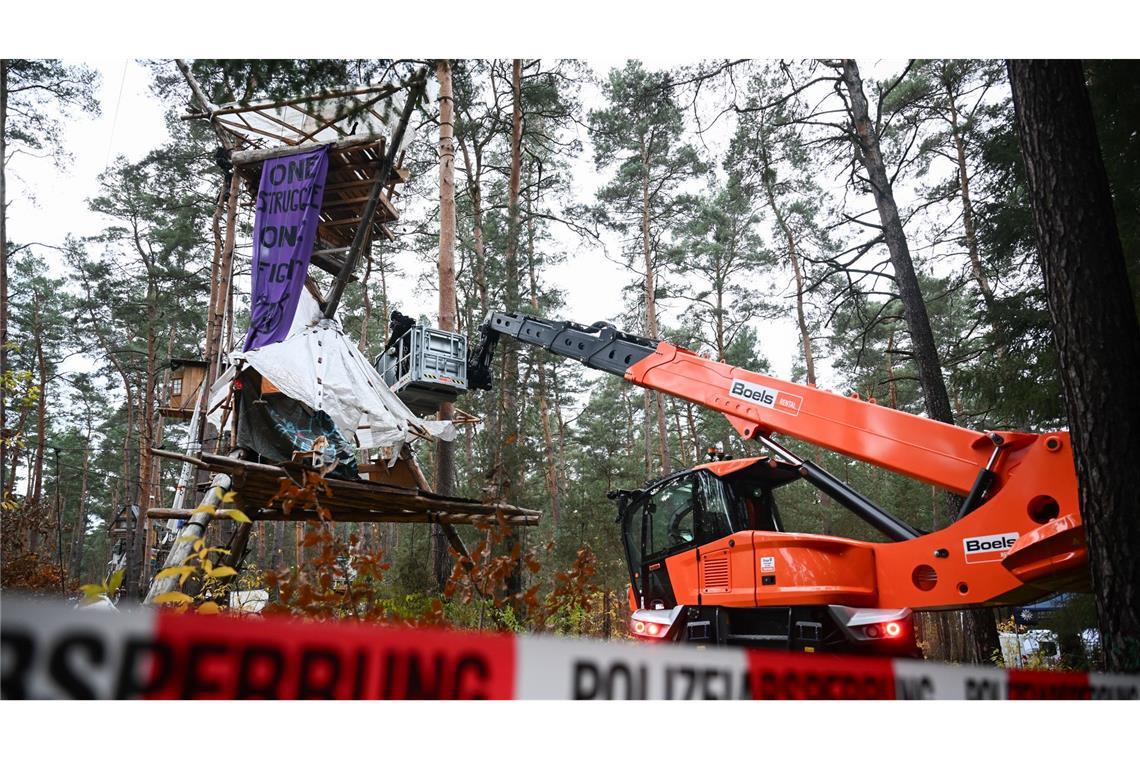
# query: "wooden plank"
340,222
262,497
338,516
261,480
329,263
352,184
255,482
387,204
246,157
355,200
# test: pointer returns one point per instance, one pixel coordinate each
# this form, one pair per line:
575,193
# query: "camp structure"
187,377
303,425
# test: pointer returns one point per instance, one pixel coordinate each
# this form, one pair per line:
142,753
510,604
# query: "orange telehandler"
709,560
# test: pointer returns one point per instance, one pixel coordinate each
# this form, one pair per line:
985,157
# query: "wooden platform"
354,123
259,487
353,164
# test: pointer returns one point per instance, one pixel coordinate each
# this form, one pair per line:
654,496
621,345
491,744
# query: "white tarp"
321,367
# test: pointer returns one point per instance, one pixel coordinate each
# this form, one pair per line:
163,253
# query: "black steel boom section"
600,345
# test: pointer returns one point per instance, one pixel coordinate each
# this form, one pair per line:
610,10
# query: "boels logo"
785,402
988,548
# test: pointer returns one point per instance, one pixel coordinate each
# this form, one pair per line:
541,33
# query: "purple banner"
284,234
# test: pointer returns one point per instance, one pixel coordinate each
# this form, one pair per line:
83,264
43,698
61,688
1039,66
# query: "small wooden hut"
187,377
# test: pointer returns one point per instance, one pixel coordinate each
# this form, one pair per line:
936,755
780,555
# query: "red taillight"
649,630
891,630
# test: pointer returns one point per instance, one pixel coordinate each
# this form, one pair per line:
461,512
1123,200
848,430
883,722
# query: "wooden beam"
386,90
457,542
351,184
341,515
298,515
340,222
329,262
415,90
208,110
246,157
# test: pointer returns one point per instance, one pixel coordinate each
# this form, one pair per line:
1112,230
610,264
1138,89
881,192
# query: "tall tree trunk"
968,223
651,309
511,424
1098,338
212,327
682,444
473,172
79,536
137,572
5,484
36,493
630,436
561,450
647,431
693,439
120,495
544,413
445,450
381,267
366,317
794,260
937,400
892,389
219,291
119,492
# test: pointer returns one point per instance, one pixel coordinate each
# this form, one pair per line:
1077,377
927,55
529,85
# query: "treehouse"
186,379
357,126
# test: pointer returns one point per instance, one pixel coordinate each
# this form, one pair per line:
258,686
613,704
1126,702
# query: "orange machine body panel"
1024,541
804,569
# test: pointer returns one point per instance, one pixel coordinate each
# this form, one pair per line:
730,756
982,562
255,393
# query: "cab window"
632,529
672,514
719,514
758,506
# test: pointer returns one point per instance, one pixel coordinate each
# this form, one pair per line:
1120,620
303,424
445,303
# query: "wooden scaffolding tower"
365,171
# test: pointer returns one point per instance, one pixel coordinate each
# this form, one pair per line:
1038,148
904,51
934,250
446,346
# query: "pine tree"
641,132
35,98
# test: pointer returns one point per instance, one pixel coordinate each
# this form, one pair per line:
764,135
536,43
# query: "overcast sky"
49,203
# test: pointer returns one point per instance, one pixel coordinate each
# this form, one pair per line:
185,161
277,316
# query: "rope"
115,118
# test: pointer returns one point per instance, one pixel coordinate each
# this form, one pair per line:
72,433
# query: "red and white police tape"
51,651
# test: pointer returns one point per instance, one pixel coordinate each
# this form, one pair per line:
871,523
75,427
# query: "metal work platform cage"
425,367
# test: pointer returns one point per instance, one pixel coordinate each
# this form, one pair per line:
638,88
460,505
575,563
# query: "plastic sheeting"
352,114
321,367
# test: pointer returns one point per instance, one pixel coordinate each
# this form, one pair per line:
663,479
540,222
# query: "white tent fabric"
321,367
